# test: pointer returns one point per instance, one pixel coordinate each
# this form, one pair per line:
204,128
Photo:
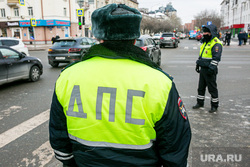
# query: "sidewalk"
235,42
38,47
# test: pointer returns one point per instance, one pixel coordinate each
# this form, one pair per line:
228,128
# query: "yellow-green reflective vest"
113,102
207,53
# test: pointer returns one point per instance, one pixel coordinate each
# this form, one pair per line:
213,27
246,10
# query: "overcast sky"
186,9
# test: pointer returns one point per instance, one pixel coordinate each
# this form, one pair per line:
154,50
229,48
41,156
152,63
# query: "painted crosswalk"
194,48
19,130
41,155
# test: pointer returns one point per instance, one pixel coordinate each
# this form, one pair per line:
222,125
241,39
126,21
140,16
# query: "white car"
156,36
14,43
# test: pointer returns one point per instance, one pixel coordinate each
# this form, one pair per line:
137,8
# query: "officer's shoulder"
168,75
70,65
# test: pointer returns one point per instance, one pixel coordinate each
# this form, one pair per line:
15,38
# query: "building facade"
52,17
235,16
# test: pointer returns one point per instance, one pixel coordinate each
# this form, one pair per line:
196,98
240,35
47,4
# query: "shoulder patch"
216,48
71,64
182,109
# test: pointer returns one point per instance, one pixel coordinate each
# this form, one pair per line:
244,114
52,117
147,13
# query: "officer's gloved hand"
197,68
212,69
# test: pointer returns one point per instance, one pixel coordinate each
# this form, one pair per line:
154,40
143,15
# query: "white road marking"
234,67
12,109
194,47
19,130
186,47
44,154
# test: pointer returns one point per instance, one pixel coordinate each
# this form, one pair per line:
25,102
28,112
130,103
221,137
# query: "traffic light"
80,27
79,21
83,20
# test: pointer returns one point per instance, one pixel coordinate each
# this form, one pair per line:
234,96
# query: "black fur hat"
116,22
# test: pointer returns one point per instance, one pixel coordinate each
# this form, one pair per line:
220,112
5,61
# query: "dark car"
146,43
169,39
17,66
68,50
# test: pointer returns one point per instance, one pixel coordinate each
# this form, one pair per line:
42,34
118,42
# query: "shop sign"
3,25
26,23
13,24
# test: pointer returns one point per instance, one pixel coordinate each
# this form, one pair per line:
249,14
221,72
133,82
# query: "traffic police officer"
206,65
116,107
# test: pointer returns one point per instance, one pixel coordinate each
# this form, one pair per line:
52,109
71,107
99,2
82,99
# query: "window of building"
30,10
3,13
64,11
16,12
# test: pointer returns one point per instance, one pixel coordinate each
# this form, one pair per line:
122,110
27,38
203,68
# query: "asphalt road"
24,106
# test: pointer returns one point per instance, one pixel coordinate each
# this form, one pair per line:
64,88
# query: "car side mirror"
22,55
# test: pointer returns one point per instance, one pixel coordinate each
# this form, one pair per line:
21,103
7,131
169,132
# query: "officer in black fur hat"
116,107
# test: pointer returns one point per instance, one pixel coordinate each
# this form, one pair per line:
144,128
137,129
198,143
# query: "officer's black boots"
198,105
213,109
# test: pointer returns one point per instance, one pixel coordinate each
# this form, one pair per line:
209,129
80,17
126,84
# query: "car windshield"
167,35
64,43
139,43
157,34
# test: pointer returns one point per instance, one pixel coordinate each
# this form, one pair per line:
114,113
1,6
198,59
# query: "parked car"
152,49
17,66
156,36
169,39
68,50
178,35
14,43
182,36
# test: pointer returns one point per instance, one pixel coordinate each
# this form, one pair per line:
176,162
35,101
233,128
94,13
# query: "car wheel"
34,74
159,60
151,57
53,64
175,45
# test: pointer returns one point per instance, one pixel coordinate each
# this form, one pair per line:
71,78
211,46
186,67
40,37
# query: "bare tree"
204,16
153,25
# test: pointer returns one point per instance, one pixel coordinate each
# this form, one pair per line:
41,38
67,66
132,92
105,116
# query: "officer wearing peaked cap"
207,66
116,107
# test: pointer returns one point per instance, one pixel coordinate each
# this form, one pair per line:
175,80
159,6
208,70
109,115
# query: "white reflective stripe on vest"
206,58
64,158
62,153
114,145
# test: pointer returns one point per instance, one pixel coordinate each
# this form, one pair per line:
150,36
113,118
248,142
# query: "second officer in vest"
207,66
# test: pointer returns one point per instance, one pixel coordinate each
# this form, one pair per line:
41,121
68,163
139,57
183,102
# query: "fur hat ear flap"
116,22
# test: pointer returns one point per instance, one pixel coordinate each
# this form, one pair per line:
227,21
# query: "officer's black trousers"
207,80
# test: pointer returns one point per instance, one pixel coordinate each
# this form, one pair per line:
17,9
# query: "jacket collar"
118,51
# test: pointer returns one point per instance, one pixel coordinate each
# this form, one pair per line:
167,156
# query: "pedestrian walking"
240,37
206,65
228,38
249,38
129,113
223,38
57,37
245,36
53,39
